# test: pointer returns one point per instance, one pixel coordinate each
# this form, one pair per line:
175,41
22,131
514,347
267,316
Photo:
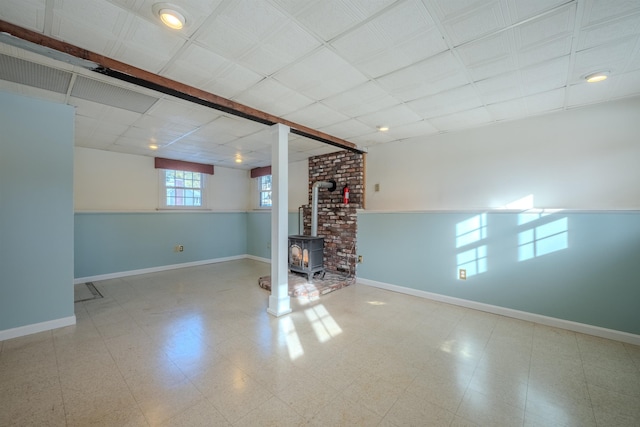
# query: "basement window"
182,189
264,191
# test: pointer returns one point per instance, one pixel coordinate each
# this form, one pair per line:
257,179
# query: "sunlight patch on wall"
469,235
543,239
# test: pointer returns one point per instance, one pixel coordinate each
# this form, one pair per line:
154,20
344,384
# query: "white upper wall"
108,181
586,158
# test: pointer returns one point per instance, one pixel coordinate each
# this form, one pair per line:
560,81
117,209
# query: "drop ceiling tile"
273,97
500,89
462,120
524,9
444,103
545,76
328,19
543,52
253,142
196,12
447,9
413,130
548,27
394,116
598,11
119,116
609,31
315,116
486,70
361,100
239,26
627,84
195,65
182,112
284,47
232,81
347,129
370,7
87,109
509,110
589,93
320,75
235,126
422,46
546,101
489,49
143,136
25,13
490,18
372,139
96,26
147,46
612,57
386,31
428,77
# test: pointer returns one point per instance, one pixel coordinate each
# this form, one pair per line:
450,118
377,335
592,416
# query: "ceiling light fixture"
170,15
597,77
153,146
382,128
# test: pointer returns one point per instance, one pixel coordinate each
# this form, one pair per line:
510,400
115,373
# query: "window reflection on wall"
543,239
472,255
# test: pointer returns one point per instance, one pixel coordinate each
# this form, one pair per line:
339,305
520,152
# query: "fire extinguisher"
345,194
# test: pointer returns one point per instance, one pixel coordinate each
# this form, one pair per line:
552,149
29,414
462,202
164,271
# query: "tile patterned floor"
195,347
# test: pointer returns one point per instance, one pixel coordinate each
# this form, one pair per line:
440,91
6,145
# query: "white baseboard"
257,258
516,314
34,328
120,274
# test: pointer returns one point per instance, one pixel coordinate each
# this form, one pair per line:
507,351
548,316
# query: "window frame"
162,193
261,191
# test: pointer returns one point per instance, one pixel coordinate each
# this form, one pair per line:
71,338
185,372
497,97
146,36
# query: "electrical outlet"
376,187
360,259
268,245
179,248
462,274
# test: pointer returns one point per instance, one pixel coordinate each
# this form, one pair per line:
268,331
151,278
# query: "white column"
279,301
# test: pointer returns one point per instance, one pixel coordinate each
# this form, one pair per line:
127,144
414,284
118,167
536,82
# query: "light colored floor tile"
195,346
411,410
162,403
236,400
272,413
202,414
343,412
488,410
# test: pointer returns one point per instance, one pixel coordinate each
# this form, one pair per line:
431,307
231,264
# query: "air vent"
23,72
115,96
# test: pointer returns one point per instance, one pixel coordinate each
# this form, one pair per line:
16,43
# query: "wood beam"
131,74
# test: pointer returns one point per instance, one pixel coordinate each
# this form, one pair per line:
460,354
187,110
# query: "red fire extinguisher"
345,194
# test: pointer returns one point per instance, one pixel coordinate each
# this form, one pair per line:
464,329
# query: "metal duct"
331,185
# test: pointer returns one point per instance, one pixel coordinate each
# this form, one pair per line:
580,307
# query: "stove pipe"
331,185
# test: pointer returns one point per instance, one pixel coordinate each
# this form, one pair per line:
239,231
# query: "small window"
264,191
182,189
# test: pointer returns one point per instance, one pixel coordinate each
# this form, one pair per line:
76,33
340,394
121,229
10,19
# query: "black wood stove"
306,255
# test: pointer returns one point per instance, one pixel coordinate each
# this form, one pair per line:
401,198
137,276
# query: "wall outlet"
360,259
376,187
268,245
179,248
462,274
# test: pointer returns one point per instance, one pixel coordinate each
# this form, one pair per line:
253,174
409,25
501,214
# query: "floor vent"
85,292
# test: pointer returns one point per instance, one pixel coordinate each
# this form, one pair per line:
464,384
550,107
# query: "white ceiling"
343,67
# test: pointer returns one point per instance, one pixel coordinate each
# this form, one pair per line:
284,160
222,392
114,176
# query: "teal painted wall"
259,232
591,277
108,243
36,211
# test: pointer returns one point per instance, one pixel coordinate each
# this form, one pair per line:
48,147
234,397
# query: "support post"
279,300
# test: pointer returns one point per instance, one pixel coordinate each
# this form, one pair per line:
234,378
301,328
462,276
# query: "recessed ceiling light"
597,77
238,159
170,15
382,128
153,146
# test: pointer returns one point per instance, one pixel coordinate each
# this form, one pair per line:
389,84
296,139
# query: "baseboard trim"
120,274
516,314
257,258
34,328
